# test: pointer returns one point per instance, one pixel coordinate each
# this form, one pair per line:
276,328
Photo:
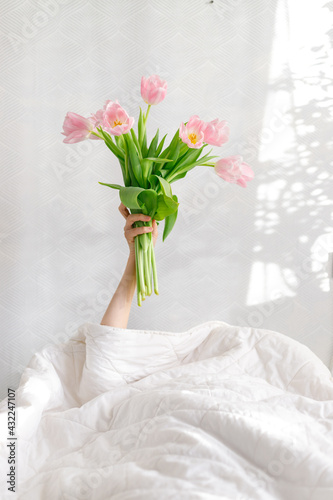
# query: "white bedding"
216,412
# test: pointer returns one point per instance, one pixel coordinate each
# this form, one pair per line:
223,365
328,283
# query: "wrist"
130,270
131,256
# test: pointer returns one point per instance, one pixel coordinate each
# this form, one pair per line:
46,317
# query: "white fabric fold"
217,411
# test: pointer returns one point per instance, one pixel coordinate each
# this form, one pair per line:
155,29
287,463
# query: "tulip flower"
77,128
97,120
116,120
234,170
153,89
216,132
193,133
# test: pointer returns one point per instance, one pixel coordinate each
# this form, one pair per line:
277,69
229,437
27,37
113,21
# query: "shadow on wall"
293,218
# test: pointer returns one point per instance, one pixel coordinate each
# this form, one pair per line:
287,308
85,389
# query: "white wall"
263,66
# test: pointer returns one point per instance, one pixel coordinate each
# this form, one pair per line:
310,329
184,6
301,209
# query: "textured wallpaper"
254,256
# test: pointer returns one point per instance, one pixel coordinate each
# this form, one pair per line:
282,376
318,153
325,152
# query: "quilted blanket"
215,412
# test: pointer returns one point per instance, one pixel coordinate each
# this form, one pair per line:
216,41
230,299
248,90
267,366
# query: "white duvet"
216,412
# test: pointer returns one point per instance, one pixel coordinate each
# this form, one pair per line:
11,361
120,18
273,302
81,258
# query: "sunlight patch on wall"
277,134
299,55
321,263
267,281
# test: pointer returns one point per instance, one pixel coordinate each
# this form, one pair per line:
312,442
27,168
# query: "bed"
215,412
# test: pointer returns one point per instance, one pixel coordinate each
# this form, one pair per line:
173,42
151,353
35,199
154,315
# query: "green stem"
137,272
136,142
154,271
141,269
127,176
145,270
149,262
147,113
94,133
149,268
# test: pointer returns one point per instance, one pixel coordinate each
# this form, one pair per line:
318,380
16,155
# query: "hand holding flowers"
149,169
131,233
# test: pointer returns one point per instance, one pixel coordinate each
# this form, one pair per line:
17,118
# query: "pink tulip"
193,133
76,128
153,89
98,117
97,120
216,132
233,169
116,120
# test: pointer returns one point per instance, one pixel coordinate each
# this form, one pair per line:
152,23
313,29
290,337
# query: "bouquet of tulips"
149,168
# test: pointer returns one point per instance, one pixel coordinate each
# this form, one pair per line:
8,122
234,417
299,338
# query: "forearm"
118,310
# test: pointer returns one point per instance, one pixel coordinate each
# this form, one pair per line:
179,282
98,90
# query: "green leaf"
175,146
137,198
163,173
170,153
170,221
136,142
190,157
129,196
144,148
190,160
119,139
153,181
158,160
165,186
110,144
134,159
146,167
160,146
173,157
133,181
178,176
182,156
175,139
183,149
149,199
199,162
153,145
165,206
114,186
165,152
127,179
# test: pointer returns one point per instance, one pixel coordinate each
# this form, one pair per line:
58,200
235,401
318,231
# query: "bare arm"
117,312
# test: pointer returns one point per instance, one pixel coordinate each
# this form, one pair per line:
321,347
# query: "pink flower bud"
216,132
153,89
76,128
233,169
193,133
115,119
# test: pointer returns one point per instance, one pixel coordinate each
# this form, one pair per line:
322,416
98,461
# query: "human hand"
131,232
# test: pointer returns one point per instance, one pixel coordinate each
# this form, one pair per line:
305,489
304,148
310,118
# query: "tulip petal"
247,171
76,128
241,182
